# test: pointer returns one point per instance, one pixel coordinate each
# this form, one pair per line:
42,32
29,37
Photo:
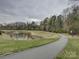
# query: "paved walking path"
48,51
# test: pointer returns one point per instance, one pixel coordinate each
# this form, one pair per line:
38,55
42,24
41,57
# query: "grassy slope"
8,46
71,51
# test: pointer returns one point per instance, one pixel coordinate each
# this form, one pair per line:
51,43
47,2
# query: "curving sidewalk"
48,51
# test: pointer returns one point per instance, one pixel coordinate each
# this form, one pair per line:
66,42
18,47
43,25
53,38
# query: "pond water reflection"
23,36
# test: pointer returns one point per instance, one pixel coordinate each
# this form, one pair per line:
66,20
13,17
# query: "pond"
23,36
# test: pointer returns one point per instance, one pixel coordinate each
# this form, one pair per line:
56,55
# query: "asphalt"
48,51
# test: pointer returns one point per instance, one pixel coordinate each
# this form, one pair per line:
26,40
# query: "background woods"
66,22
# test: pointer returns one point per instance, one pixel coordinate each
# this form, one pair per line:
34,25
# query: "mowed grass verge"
9,46
71,51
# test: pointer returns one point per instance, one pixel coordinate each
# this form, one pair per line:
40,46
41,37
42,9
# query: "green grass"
71,51
9,46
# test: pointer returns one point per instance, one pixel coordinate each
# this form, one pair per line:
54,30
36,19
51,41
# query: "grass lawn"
71,51
9,46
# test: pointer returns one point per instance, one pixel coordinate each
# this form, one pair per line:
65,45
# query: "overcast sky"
27,10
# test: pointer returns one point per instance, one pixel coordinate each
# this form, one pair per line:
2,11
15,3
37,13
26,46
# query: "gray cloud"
32,8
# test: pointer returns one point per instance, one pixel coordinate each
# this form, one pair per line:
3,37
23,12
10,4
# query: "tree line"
65,22
54,23
19,26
